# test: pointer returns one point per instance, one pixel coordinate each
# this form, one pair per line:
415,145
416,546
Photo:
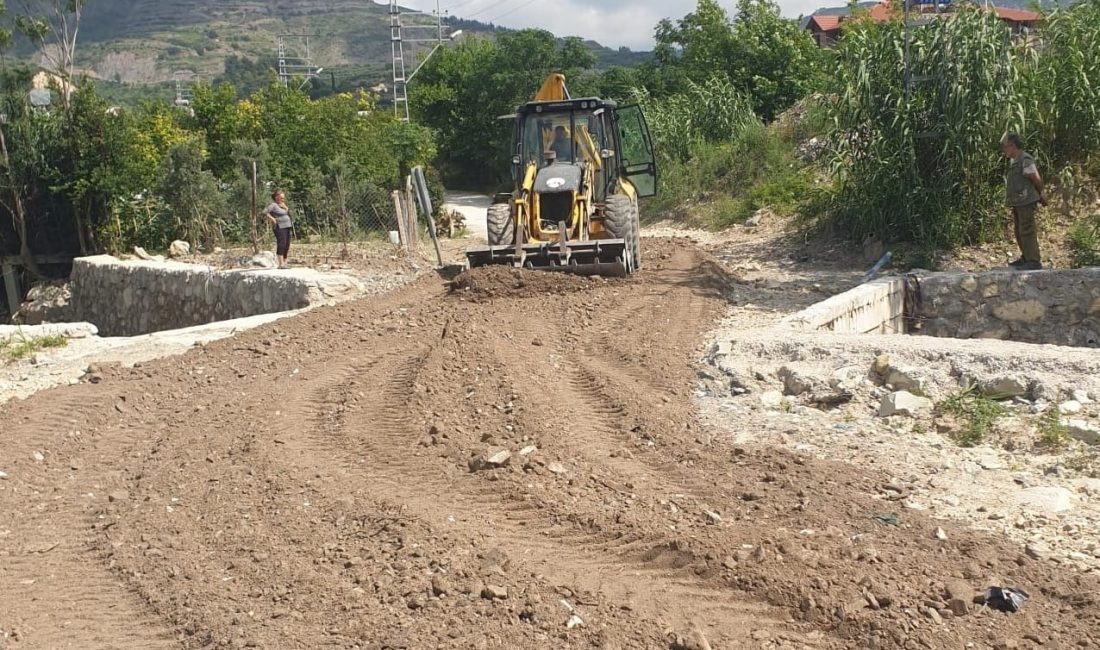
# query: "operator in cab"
562,146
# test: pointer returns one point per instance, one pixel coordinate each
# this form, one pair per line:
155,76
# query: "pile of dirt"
492,282
412,471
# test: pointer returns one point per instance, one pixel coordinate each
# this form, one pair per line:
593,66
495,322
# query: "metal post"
439,21
420,185
284,76
412,224
344,234
255,225
11,286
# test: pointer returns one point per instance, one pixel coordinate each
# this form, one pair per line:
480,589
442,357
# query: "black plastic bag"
1005,599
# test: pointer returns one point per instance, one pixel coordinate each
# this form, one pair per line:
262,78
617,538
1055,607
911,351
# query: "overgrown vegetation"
921,162
720,163
1084,242
976,412
21,347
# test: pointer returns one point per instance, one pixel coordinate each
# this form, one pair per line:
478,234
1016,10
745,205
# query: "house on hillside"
43,82
1020,21
824,25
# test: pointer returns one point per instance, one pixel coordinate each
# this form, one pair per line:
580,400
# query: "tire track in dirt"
377,441
672,287
653,565
59,591
603,385
321,407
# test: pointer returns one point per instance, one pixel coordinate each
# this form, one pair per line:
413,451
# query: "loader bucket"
605,257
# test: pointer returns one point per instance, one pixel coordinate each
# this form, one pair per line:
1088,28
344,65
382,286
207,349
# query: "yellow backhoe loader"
579,167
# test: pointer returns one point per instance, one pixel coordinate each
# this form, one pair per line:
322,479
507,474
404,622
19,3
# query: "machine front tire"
636,234
501,225
619,218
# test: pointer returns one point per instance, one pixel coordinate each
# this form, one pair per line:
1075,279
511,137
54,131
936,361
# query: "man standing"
1024,193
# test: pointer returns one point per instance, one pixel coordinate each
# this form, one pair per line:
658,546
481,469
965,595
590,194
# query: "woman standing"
279,216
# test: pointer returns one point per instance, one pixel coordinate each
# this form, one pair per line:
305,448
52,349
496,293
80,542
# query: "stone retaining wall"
127,298
1054,307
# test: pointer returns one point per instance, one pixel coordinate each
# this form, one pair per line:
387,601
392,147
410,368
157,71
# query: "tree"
765,55
190,192
102,162
618,83
698,44
22,153
771,57
24,160
216,113
246,75
53,25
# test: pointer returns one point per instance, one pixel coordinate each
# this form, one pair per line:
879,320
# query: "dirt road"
473,207
515,463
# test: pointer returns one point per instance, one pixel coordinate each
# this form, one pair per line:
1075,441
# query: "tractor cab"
590,133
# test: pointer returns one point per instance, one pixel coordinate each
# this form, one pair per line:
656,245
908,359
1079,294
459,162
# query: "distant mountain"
140,44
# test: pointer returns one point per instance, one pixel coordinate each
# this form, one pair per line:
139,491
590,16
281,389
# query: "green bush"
718,162
710,112
1052,433
1084,242
978,414
723,184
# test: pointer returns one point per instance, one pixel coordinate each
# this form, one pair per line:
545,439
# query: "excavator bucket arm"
553,89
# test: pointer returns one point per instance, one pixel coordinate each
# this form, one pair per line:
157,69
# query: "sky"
613,23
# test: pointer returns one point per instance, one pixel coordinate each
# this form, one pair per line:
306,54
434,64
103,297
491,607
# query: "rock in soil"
494,592
906,404
490,459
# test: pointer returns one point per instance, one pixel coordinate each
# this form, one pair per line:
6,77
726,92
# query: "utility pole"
183,92
295,61
399,32
397,45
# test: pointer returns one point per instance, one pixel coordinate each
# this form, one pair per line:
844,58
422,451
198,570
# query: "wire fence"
348,212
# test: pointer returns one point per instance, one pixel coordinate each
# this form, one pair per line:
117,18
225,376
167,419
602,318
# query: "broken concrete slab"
906,404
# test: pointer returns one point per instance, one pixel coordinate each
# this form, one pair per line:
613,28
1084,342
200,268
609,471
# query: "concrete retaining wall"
127,298
877,307
1054,307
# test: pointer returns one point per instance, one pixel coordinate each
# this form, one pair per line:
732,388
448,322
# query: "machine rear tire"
501,225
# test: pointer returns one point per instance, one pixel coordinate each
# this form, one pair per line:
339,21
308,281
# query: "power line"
512,11
492,6
456,5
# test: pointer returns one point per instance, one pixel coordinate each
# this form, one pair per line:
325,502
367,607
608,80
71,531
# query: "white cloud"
613,23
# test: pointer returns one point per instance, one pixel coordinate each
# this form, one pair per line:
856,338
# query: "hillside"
133,47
